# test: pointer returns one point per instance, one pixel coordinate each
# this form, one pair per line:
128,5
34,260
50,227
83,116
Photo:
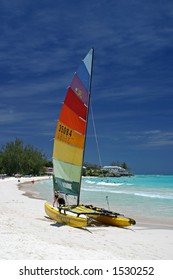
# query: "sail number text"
63,129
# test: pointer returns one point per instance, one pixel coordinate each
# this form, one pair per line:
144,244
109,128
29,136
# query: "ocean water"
147,198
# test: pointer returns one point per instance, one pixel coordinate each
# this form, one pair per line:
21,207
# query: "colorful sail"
70,133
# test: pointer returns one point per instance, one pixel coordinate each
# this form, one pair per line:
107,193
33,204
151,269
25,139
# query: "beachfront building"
117,170
49,171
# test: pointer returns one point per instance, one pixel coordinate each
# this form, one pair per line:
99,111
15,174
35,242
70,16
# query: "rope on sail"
95,134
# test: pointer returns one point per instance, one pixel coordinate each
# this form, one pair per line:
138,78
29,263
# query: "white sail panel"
66,171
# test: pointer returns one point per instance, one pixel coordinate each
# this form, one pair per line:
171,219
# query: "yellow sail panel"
66,171
69,136
67,153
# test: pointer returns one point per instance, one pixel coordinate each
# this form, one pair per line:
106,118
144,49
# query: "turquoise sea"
147,198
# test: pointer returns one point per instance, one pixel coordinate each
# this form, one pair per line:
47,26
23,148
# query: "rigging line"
95,134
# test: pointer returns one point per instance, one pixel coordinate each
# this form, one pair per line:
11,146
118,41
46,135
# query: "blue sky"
41,45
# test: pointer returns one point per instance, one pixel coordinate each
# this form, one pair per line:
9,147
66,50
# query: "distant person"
56,195
58,199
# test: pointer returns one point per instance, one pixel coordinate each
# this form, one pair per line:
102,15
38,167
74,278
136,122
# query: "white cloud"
150,139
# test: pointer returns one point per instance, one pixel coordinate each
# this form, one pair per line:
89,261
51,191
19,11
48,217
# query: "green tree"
17,158
124,165
11,155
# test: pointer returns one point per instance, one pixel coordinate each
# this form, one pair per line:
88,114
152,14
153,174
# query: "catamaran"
68,156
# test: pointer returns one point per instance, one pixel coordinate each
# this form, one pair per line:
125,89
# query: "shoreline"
27,233
28,187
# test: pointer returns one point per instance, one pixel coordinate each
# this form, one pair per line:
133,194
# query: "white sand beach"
26,233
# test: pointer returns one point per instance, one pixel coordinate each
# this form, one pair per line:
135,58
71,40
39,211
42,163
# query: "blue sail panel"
83,75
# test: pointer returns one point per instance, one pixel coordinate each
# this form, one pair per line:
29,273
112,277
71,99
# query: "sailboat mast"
78,198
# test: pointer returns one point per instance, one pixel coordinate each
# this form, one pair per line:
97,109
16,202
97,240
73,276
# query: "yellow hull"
114,221
65,217
107,219
81,216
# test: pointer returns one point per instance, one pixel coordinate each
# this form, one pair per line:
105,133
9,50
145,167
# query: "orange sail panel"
69,136
71,119
75,104
67,153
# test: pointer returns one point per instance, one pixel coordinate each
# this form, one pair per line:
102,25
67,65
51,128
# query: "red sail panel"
75,104
69,118
69,136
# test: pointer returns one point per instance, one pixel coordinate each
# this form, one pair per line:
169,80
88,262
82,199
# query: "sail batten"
69,141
